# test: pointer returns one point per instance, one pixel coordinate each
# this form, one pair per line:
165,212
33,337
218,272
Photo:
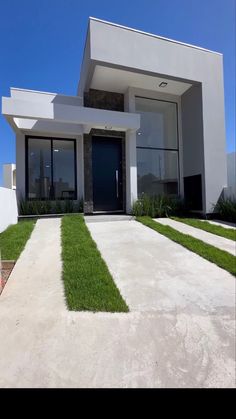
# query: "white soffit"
116,80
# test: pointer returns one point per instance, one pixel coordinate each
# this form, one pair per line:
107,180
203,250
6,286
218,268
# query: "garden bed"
6,267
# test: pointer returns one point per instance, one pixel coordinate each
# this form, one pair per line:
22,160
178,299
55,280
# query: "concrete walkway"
181,336
217,241
224,224
35,282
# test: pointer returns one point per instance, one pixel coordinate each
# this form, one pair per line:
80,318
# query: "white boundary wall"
8,208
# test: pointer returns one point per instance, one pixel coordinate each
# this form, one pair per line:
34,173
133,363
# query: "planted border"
221,258
210,228
87,280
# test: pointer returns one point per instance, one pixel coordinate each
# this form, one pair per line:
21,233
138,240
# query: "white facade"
8,208
9,176
134,64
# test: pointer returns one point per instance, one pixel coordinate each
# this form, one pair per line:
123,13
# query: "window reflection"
157,172
51,169
157,148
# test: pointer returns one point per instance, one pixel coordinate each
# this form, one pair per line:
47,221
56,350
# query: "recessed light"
163,84
56,150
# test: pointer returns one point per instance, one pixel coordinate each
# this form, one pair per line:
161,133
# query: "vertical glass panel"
158,123
157,172
39,168
64,169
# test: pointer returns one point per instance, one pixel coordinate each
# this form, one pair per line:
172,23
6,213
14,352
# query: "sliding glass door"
50,168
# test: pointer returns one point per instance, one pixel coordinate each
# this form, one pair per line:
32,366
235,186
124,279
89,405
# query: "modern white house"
148,117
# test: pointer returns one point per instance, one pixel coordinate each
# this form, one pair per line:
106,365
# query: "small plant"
226,209
157,206
38,207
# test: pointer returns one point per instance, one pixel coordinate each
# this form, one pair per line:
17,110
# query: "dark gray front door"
107,174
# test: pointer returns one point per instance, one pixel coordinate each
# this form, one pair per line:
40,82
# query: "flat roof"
153,35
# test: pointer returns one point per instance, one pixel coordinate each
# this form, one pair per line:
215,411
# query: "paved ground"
184,339
224,224
217,241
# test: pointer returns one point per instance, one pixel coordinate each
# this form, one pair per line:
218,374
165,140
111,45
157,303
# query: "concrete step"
107,217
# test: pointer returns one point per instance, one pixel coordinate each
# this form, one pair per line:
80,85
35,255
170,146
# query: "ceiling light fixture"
163,84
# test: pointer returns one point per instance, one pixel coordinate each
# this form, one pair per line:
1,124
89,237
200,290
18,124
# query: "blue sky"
42,43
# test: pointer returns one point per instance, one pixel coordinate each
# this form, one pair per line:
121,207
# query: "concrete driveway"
180,335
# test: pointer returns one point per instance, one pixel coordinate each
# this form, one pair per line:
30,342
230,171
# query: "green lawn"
87,280
210,228
14,238
221,258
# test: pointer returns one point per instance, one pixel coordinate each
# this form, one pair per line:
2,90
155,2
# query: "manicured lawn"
221,258
87,280
14,238
210,228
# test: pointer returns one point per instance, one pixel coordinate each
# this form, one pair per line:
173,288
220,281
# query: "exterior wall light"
163,84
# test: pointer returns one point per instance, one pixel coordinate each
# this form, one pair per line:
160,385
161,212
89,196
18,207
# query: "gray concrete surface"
35,282
212,239
225,224
184,338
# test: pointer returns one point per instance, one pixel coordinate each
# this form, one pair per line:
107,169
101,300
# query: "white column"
20,166
131,169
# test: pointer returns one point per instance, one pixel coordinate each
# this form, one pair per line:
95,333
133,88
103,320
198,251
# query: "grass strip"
14,238
87,280
221,258
210,228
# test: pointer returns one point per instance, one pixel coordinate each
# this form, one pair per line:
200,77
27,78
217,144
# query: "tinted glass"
63,169
157,172
158,123
39,168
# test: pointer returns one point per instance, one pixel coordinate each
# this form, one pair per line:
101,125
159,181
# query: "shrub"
38,207
226,209
158,206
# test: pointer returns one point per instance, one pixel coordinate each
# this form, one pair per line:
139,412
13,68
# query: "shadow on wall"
225,208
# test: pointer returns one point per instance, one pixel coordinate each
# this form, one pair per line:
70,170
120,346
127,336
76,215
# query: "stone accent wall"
88,170
104,100
88,175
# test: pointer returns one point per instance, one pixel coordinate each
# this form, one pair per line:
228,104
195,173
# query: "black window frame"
177,127
27,137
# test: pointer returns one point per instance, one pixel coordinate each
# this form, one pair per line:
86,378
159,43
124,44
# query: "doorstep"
96,218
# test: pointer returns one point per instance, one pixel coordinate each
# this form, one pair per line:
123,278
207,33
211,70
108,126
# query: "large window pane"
63,169
39,168
158,123
157,172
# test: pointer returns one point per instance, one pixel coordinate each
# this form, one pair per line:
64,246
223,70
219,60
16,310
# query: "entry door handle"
117,184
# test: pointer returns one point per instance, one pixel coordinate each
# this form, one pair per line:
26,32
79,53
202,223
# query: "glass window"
157,172
158,126
39,168
51,169
63,169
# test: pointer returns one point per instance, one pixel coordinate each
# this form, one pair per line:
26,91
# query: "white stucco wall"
8,175
8,208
